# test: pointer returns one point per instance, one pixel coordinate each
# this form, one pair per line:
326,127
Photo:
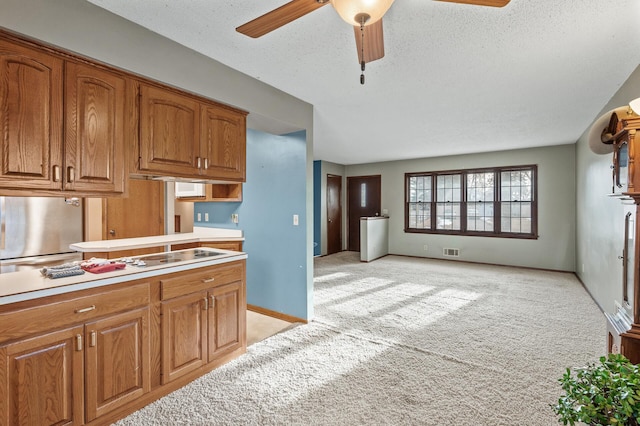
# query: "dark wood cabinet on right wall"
623,326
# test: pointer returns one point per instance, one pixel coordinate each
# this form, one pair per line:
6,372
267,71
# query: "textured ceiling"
455,78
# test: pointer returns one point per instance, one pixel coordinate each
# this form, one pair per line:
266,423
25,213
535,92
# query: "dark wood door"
334,214
364,200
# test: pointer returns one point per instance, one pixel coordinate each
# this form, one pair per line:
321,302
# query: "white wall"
555,247
600,219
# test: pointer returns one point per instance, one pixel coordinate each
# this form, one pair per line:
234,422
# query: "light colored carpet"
405,341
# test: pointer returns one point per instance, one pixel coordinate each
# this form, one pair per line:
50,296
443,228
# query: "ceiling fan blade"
493,3
373,42
278,17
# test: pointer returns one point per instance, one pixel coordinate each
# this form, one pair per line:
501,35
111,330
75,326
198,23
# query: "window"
499,201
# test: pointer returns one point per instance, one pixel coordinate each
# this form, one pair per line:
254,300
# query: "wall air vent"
451,252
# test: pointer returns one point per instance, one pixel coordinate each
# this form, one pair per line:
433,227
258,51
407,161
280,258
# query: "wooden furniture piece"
74,358
72,126
63,123
623,326
185,136
203,317
225,245
218,192
94,356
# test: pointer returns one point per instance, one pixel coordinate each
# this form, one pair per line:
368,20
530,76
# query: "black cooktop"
175,256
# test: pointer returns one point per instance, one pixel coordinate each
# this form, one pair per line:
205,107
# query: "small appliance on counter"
36,232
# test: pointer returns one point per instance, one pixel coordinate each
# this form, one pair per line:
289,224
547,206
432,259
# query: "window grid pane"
420,189
420,216
480,217
480,197
448,216
449,188
516,207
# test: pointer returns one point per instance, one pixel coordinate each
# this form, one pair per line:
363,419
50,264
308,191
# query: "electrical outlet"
206,217
199,217
425,247
234,217
295,220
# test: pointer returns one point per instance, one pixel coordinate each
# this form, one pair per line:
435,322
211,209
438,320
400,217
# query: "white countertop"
30,284
199,234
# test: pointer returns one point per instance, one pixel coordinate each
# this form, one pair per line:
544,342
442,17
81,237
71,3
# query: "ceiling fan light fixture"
351,11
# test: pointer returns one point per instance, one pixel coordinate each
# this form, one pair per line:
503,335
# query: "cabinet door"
30,118
184,335
42,380
141,214
227,319
95,132
169,132
117,361
223,142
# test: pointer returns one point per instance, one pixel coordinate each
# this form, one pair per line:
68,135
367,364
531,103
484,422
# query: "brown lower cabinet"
94,356
203,317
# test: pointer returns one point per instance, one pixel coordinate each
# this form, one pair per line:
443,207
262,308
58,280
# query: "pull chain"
362,50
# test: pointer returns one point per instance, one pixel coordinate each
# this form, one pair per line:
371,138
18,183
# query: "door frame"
349,225
340,230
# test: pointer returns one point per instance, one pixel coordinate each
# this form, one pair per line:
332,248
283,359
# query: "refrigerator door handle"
3,224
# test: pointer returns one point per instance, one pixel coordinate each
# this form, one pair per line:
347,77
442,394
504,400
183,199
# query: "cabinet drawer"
24,322
225,245
182,283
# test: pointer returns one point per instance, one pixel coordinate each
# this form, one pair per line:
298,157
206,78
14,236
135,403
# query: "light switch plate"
295,220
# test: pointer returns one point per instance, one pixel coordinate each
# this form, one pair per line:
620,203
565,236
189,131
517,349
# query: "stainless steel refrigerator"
37,231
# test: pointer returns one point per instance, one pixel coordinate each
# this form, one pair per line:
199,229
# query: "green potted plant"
607,393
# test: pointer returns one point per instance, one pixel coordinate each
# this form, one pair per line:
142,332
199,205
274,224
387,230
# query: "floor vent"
451,252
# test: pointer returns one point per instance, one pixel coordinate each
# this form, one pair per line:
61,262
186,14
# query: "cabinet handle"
56,173
208,280
78,342
206,163
199,162
71,175
94,336
213,301
205,306
87,309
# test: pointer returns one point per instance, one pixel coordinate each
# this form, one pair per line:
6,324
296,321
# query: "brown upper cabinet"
223,143
95,130
186,136
73,126
63,124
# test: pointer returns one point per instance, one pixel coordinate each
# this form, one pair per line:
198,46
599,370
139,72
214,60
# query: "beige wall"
600,218
554,249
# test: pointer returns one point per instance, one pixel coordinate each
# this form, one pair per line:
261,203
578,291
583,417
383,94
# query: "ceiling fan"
364,15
